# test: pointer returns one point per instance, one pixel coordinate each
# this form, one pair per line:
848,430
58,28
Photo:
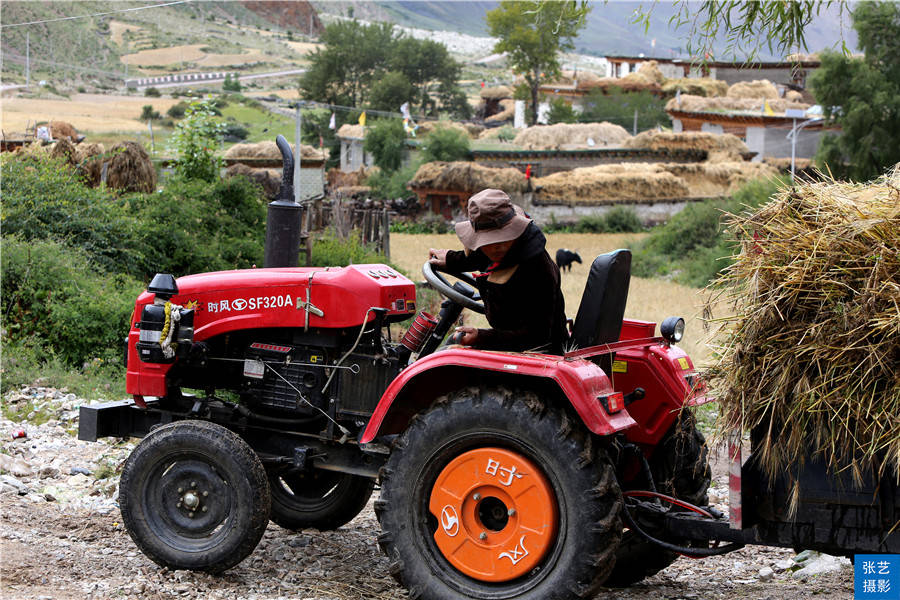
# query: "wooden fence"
371,225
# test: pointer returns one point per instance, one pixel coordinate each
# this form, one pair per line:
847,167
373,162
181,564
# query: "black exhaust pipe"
283,221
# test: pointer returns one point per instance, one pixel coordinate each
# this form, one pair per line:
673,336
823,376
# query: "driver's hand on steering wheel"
438,258
466,335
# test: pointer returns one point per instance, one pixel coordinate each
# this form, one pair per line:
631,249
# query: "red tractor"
278,393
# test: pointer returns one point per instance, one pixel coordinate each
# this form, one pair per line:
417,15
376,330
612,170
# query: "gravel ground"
61,537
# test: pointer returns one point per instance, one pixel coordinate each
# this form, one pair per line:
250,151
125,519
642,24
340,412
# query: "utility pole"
634,130
27,59
297,156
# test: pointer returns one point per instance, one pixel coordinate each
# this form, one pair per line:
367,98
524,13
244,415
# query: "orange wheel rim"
496,513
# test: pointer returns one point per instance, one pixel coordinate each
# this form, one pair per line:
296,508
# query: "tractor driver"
517,279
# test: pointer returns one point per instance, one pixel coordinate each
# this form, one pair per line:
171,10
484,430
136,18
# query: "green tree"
386,141
389,92
561,112
533,33
194,142
862,95
352,56
231,84
425,62
446,144
617,106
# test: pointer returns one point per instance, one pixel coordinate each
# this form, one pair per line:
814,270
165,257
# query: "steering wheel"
463,294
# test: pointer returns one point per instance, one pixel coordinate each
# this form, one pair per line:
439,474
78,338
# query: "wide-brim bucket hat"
493,218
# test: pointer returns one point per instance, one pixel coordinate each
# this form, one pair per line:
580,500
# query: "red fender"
581,381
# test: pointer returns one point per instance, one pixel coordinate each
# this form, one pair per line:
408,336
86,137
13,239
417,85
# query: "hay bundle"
648,73
553,137
718,179
268,179
701,86
352,132
90,162
60,130
426,127
496,93
810,355
65,150
690,140
691,103
507,112
637,83
130,169
793,96
335,178
610,184
269,150
468,177
761,88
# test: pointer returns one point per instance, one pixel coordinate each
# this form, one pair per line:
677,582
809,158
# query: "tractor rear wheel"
680,468
194,495
493,493
321,499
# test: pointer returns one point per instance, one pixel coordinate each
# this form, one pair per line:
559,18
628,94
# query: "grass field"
86,112
649,299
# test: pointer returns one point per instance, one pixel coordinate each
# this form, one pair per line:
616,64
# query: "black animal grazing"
565,258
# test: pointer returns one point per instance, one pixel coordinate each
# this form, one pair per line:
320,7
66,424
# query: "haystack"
701,86
507,112
90,162
130,169
689,140
691,103
468,177
426,127
60,130
553,137
65,150
609,184
336,178
269,150
718,179
648,73
810,355
793,96
496,93
352,132
761,88
268,179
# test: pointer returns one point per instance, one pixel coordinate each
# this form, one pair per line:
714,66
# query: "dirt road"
61,537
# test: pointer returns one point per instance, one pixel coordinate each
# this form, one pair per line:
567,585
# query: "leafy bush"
194,143
234,132
54,295
692,247
430,223
148,113
619,219
47,199
388,186
386,141
152,92
561,112
619,107
447,144
330,251
176,111
231,84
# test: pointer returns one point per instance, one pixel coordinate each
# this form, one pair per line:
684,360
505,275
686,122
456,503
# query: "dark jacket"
523,302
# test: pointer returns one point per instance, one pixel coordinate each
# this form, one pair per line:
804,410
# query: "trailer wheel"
495,494
194,495
321,499
680,468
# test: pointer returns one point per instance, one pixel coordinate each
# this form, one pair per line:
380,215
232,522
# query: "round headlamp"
672,329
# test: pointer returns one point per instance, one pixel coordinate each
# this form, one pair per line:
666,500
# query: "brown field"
166,56
117,30
286,94
86,112
649,299
303,48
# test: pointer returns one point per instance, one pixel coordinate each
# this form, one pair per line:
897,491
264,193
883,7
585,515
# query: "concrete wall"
651,213
773,141
353,156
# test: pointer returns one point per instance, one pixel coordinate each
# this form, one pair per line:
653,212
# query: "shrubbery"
619,219
692,247
330,251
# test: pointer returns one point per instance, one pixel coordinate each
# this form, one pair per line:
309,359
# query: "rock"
766,574
77,470
15,484
817,563
79,480
15,466
301,541
48,472
783,565
49,498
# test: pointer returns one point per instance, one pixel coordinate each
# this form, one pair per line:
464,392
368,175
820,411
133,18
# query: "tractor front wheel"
494,494
194,495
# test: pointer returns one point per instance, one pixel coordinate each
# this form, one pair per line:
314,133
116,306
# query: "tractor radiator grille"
360,392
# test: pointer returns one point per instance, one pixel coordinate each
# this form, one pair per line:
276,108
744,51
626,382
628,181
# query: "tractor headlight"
672,329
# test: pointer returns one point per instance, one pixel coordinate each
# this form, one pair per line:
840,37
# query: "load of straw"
647,73
793,96
60,130
810,356
65,150
718,178
689,140
554,137
268,179
689,103
130,169
269,150
352,132
336,178
467,177
699,86
609,184
761,88
90,162
426,127
496,93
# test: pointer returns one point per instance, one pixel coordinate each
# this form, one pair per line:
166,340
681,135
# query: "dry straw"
467,177
130,169
810,356
554,137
